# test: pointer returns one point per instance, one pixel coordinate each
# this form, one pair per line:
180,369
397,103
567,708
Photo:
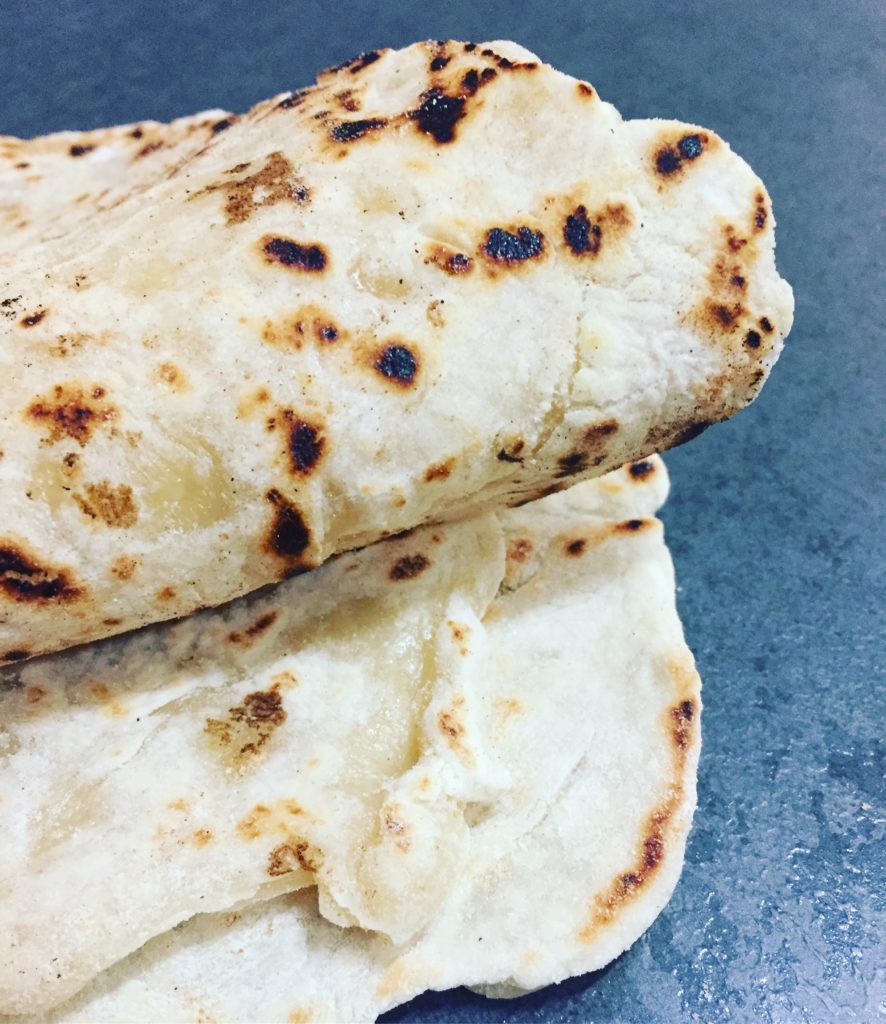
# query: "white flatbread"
533,831
444,279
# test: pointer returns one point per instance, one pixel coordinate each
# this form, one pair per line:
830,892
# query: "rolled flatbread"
443,279
501,801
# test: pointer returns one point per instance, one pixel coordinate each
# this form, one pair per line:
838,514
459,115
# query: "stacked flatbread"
393,304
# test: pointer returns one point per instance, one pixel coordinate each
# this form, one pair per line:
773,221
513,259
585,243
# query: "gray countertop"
775,519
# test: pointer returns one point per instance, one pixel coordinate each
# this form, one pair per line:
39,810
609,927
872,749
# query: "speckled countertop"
776,518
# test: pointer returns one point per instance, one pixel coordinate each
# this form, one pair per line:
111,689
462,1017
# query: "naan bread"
577,711
444,279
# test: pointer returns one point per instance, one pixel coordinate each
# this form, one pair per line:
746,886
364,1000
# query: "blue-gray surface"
776,517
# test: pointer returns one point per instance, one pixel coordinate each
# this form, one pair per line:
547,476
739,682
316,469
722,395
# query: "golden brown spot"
114,506
112,622
585,91
450,260
166,593
408,567
347,100
575,547
179,804
201,837
440,471
300,1016
450,726
683,714
460,632
124,566
33,318
519,549
23,578
275,183
255,823
34,694
252,632
71,410
172,375
248,726
434,313
296,853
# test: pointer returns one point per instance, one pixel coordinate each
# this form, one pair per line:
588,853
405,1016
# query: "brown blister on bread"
113,505
71,410
275,182
295,853
408,567
247,727
257,629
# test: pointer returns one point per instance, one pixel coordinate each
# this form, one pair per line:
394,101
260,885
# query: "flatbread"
498,795
444,279
56,184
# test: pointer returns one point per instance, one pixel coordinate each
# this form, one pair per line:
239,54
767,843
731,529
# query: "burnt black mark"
328,333
348,131
363,61
23,578
397,363
581,234
765,325
504,456
632,525
221,126
574,462
17,655
691,432
513,247
438,114
34,318
136,133
690,147
471,81
305,444
576,547
641,470
408,567
289,535
752,339
80,150
438,63
294,99
669,159
293,254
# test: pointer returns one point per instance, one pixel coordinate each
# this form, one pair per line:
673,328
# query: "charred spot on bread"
308,256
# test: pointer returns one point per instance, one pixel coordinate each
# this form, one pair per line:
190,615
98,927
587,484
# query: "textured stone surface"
781,909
